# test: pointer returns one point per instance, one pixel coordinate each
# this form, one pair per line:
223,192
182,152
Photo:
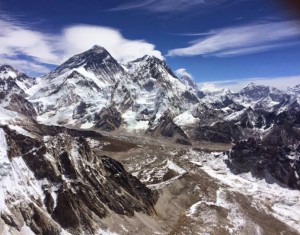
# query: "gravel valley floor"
199,194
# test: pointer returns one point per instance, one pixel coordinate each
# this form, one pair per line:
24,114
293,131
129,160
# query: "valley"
198,194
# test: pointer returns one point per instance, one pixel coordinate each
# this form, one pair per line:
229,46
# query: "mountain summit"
96,60
6,71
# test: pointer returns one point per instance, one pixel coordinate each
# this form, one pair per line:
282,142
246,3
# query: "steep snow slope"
160,90
90,79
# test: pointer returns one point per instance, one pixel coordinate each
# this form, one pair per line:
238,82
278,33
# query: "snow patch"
172,166
185,118
87,125
132,124
8,74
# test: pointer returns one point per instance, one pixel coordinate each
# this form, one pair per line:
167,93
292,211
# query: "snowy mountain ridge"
141,94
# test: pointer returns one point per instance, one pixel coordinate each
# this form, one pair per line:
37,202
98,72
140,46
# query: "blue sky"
223,42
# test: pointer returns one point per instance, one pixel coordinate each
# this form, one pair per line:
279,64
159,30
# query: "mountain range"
57,130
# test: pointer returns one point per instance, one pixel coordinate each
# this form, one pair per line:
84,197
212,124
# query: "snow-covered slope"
160,91
89,80
141,91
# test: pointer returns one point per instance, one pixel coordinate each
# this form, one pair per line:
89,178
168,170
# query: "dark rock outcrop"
167,128
108,119
21,105
221,132
282,163
97,59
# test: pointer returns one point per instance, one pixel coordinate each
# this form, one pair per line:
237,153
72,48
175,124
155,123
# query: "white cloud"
255,49
25,66
79,38
182,72
164,6
17,41
235,85
210,87
242,40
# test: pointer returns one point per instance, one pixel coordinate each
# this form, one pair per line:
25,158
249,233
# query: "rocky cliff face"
58,183
263,161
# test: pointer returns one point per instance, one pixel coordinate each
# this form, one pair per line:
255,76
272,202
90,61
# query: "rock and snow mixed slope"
142,94
56,184
57,169
142,91
9,74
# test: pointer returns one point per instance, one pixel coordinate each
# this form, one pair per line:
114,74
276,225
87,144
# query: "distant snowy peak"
96,60
6,72
12,79
257,92
187,80
185,77
294,90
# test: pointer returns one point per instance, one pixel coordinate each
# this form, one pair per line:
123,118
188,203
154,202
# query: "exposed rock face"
190,97
154,68
10,75
8,85
282,136
282,163
21,105
77,187
167,128
108,119
221,132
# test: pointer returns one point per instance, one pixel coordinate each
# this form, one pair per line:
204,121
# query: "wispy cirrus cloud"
237,84
32,51
134,5
165,6
247,39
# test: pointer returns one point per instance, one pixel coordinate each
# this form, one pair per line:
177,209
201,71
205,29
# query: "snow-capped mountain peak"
294,90
7,71
187,80
12,79
96,60
257,92
150,64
